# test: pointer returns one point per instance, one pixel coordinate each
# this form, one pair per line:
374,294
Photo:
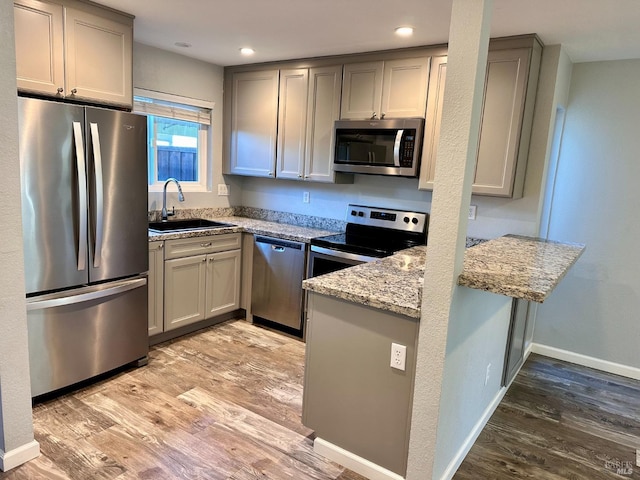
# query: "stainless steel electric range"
371,233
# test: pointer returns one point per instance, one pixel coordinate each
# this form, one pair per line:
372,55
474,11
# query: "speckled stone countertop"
250,225
519,267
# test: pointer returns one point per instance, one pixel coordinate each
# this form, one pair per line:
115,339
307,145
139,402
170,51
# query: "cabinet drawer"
201,245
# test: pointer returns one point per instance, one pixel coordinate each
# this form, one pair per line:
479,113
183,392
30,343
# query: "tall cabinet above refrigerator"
84,214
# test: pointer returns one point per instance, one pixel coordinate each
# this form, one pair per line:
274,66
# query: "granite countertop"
515,266
249,225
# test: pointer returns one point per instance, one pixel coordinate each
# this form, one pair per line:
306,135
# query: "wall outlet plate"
472,212
305,197
398,356
223,189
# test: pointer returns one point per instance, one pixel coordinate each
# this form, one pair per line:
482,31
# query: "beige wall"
594,310
15,392
167,72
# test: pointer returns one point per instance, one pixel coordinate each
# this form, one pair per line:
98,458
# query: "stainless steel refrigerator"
84,214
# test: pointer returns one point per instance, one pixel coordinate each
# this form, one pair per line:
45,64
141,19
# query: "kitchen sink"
187,224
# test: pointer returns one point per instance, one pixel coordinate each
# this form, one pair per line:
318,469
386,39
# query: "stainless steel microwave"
382,147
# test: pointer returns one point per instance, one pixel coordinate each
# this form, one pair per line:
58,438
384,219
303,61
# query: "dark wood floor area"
221,404
560,421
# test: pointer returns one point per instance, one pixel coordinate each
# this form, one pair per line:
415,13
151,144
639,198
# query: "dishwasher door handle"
277,248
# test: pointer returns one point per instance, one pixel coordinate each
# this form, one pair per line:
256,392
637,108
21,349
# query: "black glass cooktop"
370,241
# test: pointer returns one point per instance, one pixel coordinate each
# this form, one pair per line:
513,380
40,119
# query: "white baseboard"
18,456
586,361
473,436
353,462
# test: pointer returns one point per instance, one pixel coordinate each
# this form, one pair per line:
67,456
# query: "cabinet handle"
204,260
299,176
211,260
205,244
271,174
373,117
306,176
161,246
74,91
60,90
382,116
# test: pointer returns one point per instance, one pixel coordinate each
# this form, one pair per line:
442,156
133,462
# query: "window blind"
177,111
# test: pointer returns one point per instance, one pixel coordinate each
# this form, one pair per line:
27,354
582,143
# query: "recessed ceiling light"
247,51
404,31
182,44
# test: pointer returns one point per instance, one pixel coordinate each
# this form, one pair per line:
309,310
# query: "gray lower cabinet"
201,278
352,397
156,287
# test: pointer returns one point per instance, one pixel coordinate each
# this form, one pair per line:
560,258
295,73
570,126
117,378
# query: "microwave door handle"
396,148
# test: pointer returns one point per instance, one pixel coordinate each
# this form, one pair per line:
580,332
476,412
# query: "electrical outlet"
472,212
223,189
305,197
398,356
487,375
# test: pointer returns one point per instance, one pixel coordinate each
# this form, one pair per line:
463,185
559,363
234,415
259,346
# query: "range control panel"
387,218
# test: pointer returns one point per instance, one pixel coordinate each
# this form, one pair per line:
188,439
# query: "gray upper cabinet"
323,109
79,54
254,123
505,129
292,122
394,88
282,123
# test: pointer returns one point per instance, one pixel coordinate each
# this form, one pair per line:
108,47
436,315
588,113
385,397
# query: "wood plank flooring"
223,403
560,421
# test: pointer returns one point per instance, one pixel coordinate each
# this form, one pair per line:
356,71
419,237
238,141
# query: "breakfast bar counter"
516,266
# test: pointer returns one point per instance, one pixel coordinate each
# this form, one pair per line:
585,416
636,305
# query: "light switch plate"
472,212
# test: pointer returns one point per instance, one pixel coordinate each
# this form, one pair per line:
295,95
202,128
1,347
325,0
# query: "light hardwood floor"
224,403
560,421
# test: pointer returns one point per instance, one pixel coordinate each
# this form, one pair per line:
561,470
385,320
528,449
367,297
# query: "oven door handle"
346,255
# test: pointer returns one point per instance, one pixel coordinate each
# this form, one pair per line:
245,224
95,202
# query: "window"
178,136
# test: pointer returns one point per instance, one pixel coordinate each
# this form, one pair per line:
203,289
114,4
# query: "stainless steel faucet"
165,214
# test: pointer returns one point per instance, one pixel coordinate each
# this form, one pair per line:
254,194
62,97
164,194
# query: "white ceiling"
284,29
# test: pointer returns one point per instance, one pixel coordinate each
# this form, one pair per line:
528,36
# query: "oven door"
326,260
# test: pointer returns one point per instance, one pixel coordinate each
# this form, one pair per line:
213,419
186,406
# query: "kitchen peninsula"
353,398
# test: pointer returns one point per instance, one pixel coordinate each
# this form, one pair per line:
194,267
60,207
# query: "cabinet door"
505,126
98,59
156,287
254,121
292,122
432,124
184,292
322,111
404,91
39,47
362,90
502,121
223,282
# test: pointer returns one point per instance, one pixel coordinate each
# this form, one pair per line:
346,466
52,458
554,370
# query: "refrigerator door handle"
63,298
82,196
97,159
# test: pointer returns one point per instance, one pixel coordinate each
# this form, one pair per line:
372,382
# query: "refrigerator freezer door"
81,333
117,170
54,246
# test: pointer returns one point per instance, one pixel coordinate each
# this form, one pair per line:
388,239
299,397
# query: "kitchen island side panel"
352,396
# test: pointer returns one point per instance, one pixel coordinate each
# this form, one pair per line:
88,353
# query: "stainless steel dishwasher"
276,287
